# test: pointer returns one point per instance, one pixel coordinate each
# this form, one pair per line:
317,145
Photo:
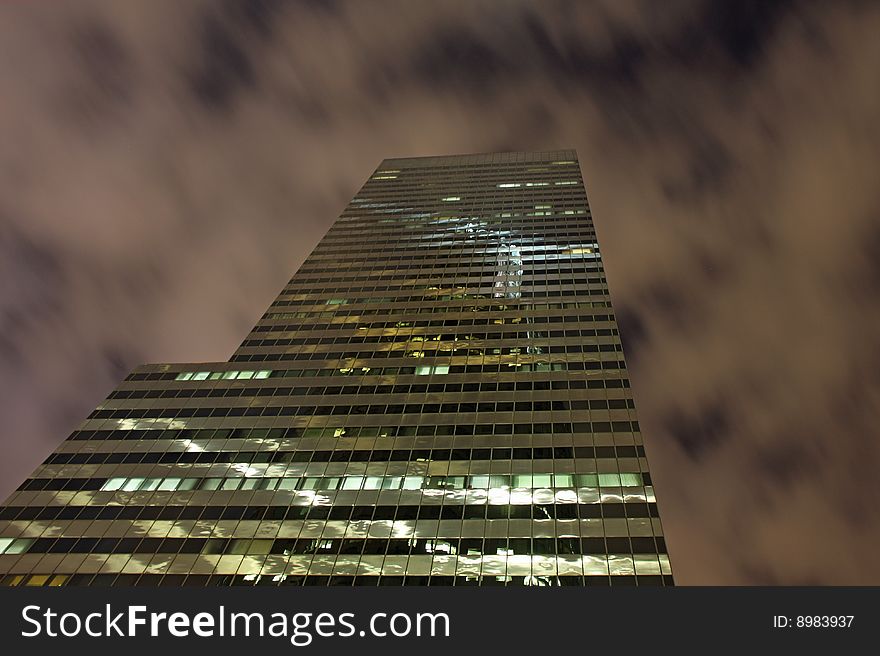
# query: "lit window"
202,375
563,480
186,375
262,374
58,580
229,375
480,482
352,482
412,482
392,482
170,484
508,185
541,480
630,480
373,483
113,484
450,199
132,484
609,480
18,546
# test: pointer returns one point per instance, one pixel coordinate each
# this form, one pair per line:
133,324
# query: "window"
352,482
431,369
132,484
15,546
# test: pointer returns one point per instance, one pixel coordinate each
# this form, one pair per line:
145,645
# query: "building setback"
437,397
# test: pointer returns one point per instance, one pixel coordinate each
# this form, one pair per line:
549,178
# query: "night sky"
165,167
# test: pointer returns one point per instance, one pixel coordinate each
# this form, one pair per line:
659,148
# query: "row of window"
484,235
401,371
432,388
491,282
516,223
529,250
551,291
524,362
445,277
403,313
162,432
224,580
344,455
473,482
512,340
536,323
373,371
537,511
413,349
346,546
347,258
371,409
520,225
441,268
406,347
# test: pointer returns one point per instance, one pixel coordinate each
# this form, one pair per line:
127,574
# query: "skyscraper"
437,397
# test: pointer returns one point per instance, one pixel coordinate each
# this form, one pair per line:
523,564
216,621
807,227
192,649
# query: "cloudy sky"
165,166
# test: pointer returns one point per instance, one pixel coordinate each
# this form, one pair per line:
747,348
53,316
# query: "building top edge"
512,157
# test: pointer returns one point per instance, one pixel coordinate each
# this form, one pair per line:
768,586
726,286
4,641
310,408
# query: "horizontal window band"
357,455
223,580
498,483
537,511
347,546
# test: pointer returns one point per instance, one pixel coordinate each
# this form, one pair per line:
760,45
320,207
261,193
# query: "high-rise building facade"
437,397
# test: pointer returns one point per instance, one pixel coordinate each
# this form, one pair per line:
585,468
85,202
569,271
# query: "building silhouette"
437,397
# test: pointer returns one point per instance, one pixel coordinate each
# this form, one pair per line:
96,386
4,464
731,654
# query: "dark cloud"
709,165
224,67
633,333
788,461
698,433
107,79
454,58
743,28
